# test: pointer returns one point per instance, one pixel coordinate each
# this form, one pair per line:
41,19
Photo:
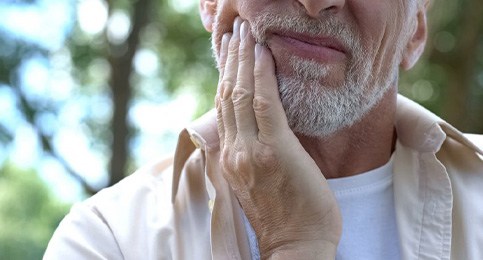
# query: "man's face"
331,68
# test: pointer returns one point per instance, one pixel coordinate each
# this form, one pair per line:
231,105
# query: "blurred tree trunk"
120,59
458,108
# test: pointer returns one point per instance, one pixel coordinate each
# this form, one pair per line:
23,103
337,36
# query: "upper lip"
318,40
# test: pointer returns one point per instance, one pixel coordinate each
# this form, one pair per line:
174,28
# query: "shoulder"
462,157
152,180
137,218
117,221
462,152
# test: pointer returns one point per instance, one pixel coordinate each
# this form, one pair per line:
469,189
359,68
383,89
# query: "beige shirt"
186,210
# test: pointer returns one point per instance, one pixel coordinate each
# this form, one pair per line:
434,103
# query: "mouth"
319,48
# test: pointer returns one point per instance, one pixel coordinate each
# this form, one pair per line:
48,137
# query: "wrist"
309,250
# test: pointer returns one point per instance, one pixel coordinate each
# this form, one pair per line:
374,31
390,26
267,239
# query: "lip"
319,48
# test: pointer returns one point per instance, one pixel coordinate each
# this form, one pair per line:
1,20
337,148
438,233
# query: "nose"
315,7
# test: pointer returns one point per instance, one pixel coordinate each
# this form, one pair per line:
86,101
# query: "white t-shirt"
366,201
369,229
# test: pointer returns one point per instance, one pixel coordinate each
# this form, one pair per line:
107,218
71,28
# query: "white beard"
315,110
314,106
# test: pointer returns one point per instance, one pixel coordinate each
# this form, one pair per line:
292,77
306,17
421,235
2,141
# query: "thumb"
267,105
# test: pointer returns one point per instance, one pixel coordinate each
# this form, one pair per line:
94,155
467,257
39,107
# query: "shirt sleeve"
83,234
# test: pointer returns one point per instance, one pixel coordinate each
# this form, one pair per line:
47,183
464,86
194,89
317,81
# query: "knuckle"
247,53
258,71
226,86
265,157
261,105
236,165
244,55
234,41
241,95
226,163
226,83
233,50
241,160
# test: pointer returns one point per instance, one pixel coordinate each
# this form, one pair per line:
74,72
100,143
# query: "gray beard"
316,110
313,106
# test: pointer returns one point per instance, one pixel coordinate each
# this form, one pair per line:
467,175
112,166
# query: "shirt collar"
416,128
420,129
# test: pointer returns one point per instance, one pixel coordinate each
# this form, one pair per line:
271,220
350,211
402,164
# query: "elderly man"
310,153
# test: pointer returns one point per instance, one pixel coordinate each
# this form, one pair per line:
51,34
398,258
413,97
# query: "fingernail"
236,26
258,50
224,41
243,30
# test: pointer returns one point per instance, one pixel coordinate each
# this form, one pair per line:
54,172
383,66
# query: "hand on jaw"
279,186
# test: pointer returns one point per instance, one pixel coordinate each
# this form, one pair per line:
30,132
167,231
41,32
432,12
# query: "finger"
269,112
244,90
228,83
223,54
219,120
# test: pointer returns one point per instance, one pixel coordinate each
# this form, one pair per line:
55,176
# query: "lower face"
329,86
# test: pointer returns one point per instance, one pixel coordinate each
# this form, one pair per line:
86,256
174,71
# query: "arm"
83,234
282,191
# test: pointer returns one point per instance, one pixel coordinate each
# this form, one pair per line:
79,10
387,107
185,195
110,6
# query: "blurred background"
92,89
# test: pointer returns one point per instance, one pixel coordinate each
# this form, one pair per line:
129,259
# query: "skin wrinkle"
315,109
398,48
331,98
325,109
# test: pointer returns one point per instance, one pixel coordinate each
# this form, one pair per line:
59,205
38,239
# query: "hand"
280,188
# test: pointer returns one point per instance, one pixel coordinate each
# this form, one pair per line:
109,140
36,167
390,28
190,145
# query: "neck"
364,146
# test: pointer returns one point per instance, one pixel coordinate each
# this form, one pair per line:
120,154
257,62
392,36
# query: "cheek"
379,23
371,23
249,9
228,10
225,15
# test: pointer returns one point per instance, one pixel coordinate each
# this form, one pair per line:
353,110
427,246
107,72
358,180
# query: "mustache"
325,26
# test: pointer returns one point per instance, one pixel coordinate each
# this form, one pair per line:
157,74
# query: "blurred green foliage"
29,214
448,80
